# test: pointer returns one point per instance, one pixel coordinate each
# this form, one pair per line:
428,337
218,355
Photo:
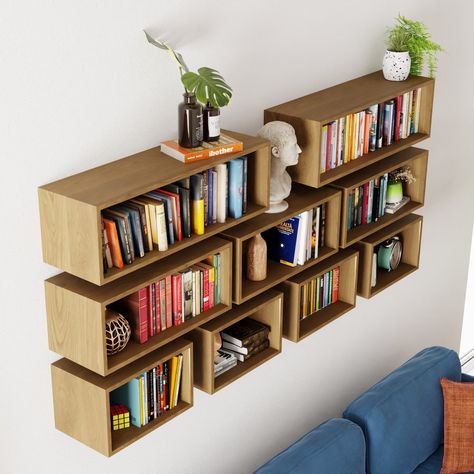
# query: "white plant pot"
396,66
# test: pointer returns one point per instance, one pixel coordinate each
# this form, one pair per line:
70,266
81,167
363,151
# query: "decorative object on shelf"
409,45
257,258
285,152
209,88
395,184
217,343
117,331
120,416
389,254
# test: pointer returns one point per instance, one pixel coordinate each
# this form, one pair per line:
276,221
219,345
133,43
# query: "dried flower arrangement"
402,174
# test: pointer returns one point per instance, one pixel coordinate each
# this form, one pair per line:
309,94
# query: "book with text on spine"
223,146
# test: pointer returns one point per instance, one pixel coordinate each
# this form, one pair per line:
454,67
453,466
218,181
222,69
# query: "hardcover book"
242,332
236,176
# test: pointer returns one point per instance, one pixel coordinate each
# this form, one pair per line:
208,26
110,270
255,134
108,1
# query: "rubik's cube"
120,417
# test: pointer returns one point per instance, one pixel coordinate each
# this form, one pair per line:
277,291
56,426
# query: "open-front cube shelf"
266,308
409,230
76,309
296,328
301,199
82,398
416,159
310,113
71,208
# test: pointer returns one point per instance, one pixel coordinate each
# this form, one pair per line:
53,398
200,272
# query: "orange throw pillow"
458,426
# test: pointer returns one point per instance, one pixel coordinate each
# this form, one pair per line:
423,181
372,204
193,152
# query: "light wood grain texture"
416,159
76,309
82,398
295,328
409,229
266,308
301,199
70,208
309,113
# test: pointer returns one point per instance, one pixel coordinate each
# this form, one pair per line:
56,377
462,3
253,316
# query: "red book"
162,296
169,302
151,309
365,203
208,283
177,283
368,119
335,284
135,308
398,110
157,307
328,147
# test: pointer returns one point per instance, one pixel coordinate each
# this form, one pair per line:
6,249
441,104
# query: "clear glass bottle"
212,123
190,121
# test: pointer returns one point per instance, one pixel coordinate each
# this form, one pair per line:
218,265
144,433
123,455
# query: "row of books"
357,134
174,212
241,341
367,203
173,300
298,239
152,393
319,292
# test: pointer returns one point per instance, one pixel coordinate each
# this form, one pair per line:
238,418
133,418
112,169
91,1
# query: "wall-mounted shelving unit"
409,230
82,398
301,199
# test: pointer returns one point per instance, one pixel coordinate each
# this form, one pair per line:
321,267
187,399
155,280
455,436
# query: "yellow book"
348,139
172,384
179,371
355,136
197,200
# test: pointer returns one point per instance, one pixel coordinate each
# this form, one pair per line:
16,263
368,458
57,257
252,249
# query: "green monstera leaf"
208,85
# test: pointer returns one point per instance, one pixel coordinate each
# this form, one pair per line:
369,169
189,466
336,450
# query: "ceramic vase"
257,259
396,66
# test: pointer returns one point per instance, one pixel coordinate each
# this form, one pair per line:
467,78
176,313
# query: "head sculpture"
285,152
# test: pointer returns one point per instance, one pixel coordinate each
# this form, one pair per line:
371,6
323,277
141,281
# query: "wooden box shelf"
82,398
301,199
308,114
76,308
295,328
70,208
416,159
266,308
409,229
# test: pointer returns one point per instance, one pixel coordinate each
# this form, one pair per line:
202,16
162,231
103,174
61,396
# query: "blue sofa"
395,427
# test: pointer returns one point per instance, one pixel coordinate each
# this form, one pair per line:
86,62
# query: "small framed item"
389,253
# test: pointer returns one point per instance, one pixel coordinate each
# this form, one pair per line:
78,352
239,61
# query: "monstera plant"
207,84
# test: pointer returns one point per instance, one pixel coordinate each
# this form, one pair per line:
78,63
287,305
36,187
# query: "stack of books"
298,239
223,362
245,339
152,393
170,214
319,292
172,300
357,134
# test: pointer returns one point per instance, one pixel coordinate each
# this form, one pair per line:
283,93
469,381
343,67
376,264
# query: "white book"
417,115
301,239
373,280
356,136
340,141
362,118
404,117
214,196
316,231
194,294
309,234
234,348
162,235
324,142
221,193
333,144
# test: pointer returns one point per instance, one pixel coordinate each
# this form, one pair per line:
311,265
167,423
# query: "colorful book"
236,177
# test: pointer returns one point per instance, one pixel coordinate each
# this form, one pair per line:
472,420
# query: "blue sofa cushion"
402,416
433,464
337,447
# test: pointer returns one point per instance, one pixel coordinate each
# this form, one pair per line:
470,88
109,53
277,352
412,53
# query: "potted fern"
205,86
409,46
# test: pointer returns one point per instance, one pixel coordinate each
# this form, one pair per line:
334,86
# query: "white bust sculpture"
285,152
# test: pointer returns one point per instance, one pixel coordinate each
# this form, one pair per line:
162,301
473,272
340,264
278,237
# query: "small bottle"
189,121
212,123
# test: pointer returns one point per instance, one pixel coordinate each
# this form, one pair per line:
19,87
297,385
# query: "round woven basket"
117,332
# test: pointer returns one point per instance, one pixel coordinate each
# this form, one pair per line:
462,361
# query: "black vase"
190,121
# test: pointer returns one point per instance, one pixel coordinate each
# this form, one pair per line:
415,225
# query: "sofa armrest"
467,378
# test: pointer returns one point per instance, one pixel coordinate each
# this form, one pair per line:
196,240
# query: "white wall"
79,86
467,334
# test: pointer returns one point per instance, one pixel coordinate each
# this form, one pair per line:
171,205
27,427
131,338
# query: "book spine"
329,147
380,124
335,285
324,141
398,112
365,204
235,188
205,193
162,234
221,193
373,127
157,307
197,200
418,109
150,309
347,133
211,287
169,302
370,206
205,289
177,299
142,315
368,122
361,132
334,140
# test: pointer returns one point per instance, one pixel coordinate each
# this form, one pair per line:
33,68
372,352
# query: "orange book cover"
223,146
114,244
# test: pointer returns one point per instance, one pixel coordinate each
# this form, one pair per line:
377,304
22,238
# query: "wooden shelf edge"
401,272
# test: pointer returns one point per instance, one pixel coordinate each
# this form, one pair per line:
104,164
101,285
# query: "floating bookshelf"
310,113
76,309
409,229
266,308
82,398
70,208
301,199
416,159
295,328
